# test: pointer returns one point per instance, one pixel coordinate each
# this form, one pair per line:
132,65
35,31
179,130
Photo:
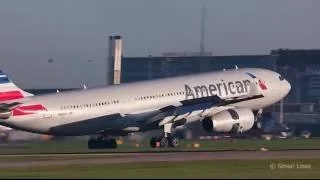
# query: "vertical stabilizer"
9,91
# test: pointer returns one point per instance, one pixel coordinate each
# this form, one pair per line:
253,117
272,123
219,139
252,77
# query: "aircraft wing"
147,120
178,113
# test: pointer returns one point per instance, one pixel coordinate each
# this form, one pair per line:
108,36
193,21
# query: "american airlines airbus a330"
225,101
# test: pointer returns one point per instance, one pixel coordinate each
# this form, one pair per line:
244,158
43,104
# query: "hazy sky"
72,31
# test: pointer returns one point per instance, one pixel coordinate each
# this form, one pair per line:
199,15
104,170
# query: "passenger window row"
90,105
159,96
117,101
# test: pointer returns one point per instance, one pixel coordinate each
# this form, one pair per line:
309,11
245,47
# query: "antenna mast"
203,22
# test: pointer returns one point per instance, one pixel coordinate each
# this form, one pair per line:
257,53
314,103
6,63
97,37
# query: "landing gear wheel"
112,143
173,142
164,142
153,142
92,144
235,128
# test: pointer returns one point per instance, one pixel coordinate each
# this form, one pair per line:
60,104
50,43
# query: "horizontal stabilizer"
6,109
9,106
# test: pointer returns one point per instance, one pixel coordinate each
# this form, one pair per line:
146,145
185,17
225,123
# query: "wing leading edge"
173,113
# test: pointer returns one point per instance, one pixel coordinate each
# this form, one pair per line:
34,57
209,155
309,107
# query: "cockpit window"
281,78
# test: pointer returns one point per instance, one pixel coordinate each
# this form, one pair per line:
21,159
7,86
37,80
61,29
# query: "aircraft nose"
286,87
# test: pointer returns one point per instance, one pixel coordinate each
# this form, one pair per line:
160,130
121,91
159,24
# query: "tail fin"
9,91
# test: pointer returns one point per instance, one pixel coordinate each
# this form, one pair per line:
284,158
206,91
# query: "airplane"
224,101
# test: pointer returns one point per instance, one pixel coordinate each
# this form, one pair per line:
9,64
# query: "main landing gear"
102,143
166,140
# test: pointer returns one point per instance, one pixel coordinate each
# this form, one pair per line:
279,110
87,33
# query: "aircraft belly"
35,123
85,125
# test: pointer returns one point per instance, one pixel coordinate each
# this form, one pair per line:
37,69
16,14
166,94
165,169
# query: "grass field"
273,168
285,168
80,146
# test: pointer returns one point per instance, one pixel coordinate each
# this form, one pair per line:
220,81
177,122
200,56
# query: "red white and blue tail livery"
9,91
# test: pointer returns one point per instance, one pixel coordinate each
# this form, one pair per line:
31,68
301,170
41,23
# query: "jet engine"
231,120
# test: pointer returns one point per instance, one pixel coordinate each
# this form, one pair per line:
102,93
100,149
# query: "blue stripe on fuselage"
251,75
4,80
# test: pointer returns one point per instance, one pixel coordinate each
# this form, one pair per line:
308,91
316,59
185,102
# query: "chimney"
114,60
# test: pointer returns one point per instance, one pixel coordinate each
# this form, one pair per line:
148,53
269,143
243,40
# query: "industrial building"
300,67
144,68
300,110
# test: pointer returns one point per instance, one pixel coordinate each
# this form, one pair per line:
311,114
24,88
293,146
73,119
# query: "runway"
109,158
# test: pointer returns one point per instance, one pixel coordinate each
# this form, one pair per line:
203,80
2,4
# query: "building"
144,68
300,67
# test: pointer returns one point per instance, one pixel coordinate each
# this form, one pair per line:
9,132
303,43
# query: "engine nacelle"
231,120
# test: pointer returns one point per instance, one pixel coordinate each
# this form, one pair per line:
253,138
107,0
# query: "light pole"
281,112
88,75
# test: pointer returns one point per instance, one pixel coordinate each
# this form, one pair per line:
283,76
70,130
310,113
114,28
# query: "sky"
73,31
